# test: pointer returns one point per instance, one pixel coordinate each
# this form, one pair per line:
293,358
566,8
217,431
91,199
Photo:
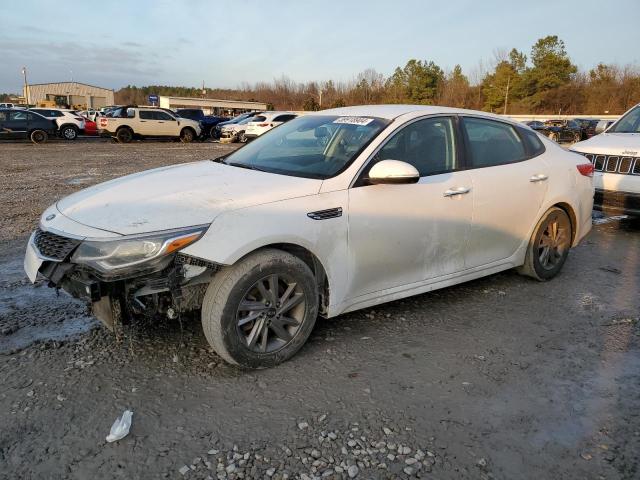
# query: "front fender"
236,233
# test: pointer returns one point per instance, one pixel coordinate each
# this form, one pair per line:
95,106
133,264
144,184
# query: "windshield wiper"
221,160
246,165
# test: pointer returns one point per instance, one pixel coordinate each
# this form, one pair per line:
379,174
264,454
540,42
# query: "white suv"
266,121
615,155
70,123
126,123
332,212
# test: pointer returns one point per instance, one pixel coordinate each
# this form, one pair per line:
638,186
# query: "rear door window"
259,118
147,115
162,116
18,116
492,143
534,144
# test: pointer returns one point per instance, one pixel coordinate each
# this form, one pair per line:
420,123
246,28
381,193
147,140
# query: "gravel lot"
499,378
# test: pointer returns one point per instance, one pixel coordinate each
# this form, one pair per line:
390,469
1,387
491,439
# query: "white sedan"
331,212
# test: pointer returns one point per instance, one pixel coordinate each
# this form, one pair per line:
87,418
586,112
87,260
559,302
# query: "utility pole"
26,85
506,95
320,95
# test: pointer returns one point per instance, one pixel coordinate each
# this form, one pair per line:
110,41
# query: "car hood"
178,196
611,144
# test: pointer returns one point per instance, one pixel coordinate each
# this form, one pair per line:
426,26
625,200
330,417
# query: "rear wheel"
39,136
549,245
577,137
187,135
124,135
259,312
69,132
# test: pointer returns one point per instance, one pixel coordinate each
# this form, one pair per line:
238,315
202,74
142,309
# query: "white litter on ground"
120,427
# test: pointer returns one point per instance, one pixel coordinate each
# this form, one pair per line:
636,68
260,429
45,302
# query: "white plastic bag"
120,427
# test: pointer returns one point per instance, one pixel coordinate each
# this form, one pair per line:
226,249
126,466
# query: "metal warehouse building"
74,94
210,105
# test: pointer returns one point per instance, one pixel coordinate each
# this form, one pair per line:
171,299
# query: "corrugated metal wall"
75,92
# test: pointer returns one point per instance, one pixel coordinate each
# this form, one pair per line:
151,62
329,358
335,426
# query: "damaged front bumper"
168,288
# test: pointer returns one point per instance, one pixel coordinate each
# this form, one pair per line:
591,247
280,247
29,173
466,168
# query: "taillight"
585,169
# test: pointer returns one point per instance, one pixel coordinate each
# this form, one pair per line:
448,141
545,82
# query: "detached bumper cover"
626,203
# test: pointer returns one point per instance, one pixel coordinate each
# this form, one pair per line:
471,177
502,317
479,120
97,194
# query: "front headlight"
114,255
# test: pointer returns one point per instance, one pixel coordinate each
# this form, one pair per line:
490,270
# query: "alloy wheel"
270,313
554,242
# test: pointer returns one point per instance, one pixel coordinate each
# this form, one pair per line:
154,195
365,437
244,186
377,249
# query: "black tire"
124,135
222,306
187,135
242,138
39,136
544,267
69,132
577,137
554,137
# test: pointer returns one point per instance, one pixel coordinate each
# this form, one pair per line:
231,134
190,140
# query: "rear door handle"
541,177
456,191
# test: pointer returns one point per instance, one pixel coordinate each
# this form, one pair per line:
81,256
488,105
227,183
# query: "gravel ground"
497,378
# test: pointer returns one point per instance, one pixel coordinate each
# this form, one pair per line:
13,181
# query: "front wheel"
549,246
187,135
259,312
69,132
242,138
577,137
38,136
554,137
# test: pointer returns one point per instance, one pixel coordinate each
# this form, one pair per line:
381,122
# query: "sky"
116,43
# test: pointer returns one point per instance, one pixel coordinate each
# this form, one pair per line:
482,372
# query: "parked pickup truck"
128,123
207,122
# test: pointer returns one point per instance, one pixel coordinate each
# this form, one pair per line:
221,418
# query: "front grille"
54,246
614,163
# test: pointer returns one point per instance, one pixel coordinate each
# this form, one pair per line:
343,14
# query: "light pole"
26,85
506,95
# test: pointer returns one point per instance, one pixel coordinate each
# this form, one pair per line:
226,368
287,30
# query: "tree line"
543,82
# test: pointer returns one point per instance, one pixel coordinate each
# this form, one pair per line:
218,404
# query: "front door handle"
541,177
456,191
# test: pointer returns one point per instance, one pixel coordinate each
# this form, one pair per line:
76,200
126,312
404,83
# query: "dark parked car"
22,124
560,130
239,118
535,124
602,125
207,122
587,126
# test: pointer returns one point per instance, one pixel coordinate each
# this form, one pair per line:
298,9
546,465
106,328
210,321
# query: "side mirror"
393,172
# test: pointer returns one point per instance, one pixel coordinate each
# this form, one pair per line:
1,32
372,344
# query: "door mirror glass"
393,172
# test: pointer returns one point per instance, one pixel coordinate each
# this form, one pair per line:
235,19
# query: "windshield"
630,123
314,146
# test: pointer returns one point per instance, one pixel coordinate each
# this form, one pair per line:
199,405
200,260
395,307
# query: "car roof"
274,113
391,112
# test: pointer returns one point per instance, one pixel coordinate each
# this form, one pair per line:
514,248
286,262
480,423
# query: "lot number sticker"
354,120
